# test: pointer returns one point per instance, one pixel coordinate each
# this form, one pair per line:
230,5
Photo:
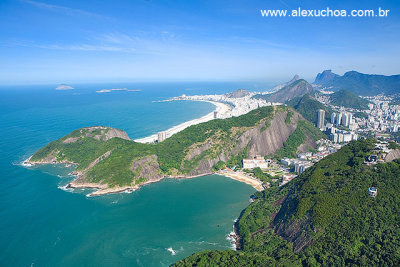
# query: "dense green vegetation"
289,117
110,160
116,167
297,138
360,115
308,106
325,217
349,100
393,145
171,152
257,172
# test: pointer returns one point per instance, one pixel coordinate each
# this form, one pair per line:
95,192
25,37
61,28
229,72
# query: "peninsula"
109,161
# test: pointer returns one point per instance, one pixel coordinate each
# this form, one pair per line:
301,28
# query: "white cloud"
66,10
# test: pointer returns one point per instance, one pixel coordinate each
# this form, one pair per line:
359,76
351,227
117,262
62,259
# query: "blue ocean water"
43,225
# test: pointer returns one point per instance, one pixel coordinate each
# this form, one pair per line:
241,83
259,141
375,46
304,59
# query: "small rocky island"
109,161
64,87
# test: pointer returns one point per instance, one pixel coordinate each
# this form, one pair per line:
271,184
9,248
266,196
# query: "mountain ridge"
359,83
298,88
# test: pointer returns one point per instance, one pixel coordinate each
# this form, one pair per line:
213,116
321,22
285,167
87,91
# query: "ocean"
43,225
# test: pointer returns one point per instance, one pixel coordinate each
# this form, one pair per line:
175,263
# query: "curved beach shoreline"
221,108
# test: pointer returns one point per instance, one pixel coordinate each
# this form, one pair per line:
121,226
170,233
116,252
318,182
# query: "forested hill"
344,98
308,106
325,217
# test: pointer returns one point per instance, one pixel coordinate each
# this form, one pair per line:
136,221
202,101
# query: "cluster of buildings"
342,118
239,105
382,116
257,161
342,136
336,135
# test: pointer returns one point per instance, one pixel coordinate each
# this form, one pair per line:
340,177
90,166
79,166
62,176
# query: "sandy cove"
103,189
241,177
221,108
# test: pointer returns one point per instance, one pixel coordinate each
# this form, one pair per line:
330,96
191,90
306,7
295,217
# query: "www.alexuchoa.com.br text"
327,12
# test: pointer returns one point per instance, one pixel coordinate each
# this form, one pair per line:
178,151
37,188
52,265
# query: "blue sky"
71,41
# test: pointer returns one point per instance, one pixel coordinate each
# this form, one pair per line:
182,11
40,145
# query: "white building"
286,161
300,167
162,136
257,161
333,118
321,119
339,118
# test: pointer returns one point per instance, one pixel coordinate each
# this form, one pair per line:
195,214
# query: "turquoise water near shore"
43,225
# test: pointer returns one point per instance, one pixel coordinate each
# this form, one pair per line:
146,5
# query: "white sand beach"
242,177
221,108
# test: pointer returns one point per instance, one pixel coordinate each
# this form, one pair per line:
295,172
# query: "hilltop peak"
280,86
238,93
325,76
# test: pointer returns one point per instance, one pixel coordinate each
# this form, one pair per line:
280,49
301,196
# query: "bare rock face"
116,133
392,155
147,168
270,140
261,140
70,140
105,133
196,151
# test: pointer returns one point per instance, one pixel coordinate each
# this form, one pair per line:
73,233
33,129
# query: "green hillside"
308,106
323,218
349,100
104,158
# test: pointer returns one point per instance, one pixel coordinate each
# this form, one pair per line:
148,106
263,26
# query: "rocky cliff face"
263,139
147,168
265,142
325,76
392,155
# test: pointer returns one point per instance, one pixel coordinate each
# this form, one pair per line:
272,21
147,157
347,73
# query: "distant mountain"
307,106
344,98
238,93
280,86
359,83
295,89
325,76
